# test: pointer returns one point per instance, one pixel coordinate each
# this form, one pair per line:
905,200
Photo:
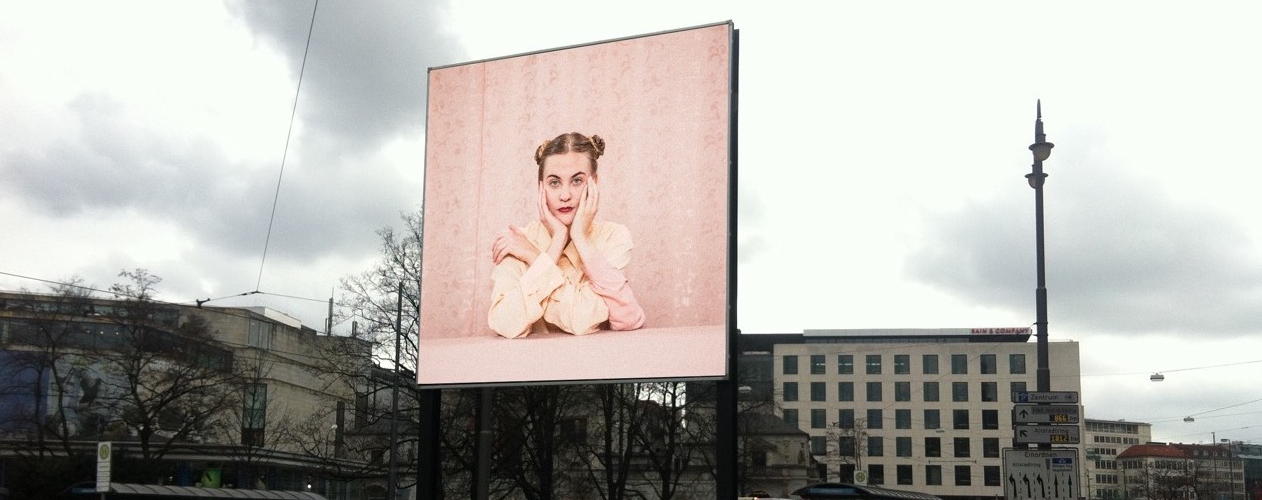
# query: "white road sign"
103,452
1041,474
1044,414
1046,434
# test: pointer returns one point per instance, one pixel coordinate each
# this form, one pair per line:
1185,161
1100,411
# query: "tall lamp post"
1041,150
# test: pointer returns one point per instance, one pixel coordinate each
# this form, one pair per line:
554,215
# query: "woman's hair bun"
594,146
598,146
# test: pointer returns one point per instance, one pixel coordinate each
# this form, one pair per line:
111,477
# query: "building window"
876,474
990,419
845,418
930,391
1014,387
260,334
573,431
990,447
791,416
845,446
790,391
902,419
963,475
819,391
254,415
845,391
990,392
961,447
991,475
874,391
959,391
929,364
902,446
989,365
933,419
790,365
876,446
959,419
933,447
817,364
933,475
819,418
845,364
875,419
874,364
819,445
904,473
902,391
959,364
1016,364
902,364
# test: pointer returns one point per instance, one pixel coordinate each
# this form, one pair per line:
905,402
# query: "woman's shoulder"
535,230
606,230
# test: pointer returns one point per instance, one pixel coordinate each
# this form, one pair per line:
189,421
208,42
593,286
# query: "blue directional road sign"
1064,397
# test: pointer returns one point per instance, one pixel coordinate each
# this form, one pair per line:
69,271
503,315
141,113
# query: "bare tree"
617,417
529,437
370,302
669,443
845,447
50,337
1161,479
169,380
259,424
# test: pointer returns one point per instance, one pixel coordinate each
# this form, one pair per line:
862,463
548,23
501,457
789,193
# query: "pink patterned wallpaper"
662,104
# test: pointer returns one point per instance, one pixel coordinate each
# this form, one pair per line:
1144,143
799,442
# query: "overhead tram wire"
285,154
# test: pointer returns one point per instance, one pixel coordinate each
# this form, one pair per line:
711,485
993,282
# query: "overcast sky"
882,155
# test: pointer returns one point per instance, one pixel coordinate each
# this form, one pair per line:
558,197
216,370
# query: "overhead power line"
285,154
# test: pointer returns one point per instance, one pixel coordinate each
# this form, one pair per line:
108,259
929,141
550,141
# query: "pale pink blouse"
570,295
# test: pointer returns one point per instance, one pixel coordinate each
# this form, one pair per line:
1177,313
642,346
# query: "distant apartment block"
1102,441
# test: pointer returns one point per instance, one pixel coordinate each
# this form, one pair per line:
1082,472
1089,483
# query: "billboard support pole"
482,452
725,447
429,465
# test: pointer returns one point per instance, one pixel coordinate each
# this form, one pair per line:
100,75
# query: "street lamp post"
1041,150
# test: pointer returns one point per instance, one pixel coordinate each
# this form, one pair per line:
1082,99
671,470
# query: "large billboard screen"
575,219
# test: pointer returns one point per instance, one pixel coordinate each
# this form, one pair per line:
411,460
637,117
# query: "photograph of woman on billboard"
563,272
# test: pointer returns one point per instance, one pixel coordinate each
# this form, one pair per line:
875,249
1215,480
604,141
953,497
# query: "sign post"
104,451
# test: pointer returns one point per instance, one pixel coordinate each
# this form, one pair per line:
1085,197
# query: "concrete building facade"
927,410
275,415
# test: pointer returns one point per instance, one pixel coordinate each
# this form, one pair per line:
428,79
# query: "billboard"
575,218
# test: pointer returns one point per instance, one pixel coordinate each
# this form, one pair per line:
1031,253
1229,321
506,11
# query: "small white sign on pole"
103,452
860,477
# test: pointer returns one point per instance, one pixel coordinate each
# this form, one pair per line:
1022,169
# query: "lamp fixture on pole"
1041,150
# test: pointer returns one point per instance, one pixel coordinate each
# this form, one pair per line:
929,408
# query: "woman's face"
565,178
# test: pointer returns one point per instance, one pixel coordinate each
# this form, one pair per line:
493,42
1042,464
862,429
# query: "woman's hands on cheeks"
585,213
556,228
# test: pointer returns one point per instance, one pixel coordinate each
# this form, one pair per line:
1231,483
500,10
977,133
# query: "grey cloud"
1121,256
365,85
112,164
366,68
326,205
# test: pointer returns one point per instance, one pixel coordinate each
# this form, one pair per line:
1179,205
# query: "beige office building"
927,410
